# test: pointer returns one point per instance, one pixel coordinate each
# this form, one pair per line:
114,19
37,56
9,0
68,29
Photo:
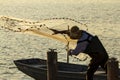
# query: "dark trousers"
94,64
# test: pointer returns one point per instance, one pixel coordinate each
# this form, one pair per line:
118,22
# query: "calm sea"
86,13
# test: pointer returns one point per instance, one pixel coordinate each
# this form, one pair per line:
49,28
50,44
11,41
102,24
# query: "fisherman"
90,45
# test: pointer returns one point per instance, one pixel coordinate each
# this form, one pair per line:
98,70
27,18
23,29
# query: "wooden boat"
37,69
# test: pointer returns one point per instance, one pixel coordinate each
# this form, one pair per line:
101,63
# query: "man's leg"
91,70
104,64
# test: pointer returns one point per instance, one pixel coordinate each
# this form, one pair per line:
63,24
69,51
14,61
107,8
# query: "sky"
60,1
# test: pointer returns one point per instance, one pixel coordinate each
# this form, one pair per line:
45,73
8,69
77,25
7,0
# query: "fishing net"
44,28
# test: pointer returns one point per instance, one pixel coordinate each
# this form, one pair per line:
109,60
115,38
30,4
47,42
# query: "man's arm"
59,32
80,47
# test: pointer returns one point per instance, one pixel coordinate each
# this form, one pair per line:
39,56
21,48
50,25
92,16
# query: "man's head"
75,32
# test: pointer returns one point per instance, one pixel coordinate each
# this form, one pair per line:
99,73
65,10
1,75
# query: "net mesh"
42,27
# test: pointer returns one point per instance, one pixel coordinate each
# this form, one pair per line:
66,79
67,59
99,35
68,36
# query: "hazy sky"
60,1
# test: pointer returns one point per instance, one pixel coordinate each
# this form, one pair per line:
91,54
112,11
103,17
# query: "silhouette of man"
90,45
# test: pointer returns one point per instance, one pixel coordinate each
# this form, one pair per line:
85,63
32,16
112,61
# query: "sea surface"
102,17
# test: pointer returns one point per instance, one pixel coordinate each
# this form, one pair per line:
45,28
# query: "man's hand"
70,52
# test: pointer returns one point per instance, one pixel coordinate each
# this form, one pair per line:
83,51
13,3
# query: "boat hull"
37,69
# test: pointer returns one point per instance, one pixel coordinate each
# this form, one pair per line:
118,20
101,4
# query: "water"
82,12
17,46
